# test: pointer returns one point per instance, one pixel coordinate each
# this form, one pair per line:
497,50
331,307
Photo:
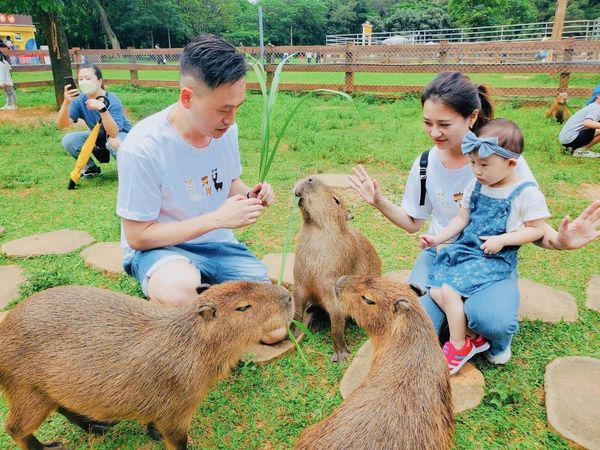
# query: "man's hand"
580,232
238,211
492,244
263,192
428,240
367,187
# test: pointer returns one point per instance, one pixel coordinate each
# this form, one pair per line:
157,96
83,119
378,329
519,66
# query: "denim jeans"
491,312
72,143
217,262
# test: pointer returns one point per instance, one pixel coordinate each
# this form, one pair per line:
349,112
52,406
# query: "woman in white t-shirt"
453,105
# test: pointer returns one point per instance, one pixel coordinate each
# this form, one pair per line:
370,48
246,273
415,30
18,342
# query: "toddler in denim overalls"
501,213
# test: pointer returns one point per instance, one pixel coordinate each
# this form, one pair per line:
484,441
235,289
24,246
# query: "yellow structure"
19,29
367,31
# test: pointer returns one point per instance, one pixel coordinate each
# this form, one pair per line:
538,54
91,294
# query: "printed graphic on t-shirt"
206,185
218,184
457,197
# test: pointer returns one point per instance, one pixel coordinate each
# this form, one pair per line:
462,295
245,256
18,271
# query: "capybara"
405,401
97,356
327,249
559,109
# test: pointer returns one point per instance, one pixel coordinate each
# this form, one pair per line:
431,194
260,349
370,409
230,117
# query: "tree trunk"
59,51
112,37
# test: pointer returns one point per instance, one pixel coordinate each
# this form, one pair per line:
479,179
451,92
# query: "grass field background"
267,406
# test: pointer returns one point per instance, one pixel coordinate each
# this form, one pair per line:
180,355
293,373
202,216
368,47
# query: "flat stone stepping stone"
52,243
572,387
273,263
467,385
593,293
401,276
10,279
541,302
263,353
334,180
104,256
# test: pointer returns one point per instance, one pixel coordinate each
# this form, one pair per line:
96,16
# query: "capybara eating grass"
405,402
327,249
98,356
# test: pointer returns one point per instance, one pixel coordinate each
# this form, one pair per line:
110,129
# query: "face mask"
88,86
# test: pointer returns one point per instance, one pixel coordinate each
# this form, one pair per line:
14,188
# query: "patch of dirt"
591,191
28,116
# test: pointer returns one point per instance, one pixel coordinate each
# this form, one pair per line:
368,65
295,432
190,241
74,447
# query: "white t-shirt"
575,124
445,190
164,178
530,204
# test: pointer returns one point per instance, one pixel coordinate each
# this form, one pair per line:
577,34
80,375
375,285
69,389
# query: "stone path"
262,353
273,263
52,243
335,180
593,293
467,385
541,302
572,387
11,278
104,256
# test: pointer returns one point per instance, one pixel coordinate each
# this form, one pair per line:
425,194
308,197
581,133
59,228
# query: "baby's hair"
508,133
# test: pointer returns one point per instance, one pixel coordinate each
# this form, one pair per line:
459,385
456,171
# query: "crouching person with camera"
91,103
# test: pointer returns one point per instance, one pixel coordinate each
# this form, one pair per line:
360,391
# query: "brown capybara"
96,355
559,109
327,249
405,401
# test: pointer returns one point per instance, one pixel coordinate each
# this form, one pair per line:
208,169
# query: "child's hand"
492,244
428,240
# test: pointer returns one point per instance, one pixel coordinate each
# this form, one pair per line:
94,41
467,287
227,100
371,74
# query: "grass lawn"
267,406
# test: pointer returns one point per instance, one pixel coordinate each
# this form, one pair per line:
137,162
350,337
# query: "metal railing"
579,29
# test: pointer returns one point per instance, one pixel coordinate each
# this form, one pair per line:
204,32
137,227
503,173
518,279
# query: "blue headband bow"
486,146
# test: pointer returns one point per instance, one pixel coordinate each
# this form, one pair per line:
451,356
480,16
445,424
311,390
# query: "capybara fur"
101,356
405,402
559,109
327,249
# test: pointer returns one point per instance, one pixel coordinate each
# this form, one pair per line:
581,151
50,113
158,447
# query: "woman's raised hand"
366,186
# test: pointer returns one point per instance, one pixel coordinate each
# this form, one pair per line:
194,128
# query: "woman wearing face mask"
453,105
90,109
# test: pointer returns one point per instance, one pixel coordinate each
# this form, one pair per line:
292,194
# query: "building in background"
19,29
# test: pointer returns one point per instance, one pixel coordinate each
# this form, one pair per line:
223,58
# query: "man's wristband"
103,110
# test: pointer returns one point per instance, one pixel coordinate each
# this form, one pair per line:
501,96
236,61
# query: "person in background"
6,83
86,106
582,130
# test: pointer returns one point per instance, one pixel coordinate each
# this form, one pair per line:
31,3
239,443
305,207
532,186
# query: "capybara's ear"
349,215
200,289
401,304
417,290
208,310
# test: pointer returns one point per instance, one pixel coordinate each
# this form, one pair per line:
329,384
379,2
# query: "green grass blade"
303,328
295,342
286,242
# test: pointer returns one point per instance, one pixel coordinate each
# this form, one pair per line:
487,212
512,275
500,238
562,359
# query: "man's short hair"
212,60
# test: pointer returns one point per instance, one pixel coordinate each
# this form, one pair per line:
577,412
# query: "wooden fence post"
443,55
349,78
133,73
567,57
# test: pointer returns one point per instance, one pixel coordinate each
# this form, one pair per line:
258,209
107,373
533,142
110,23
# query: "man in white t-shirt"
180,191
582,130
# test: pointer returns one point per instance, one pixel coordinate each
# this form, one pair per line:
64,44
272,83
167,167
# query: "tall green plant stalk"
268,151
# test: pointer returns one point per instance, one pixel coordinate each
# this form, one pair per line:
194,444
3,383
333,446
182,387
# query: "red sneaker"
480,343
457,358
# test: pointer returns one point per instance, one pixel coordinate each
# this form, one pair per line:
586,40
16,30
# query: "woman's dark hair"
457,91
508,133
96,70
2,57
212,60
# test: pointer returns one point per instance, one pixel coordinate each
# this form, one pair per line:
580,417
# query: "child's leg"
11,96
452,305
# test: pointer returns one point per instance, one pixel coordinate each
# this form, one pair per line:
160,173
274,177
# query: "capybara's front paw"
339,356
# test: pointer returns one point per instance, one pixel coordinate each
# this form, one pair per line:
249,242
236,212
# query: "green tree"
419,15
478,13
48,13
301,23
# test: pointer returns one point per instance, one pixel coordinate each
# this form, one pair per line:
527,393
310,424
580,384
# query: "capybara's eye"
368,300
336,200
243,308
